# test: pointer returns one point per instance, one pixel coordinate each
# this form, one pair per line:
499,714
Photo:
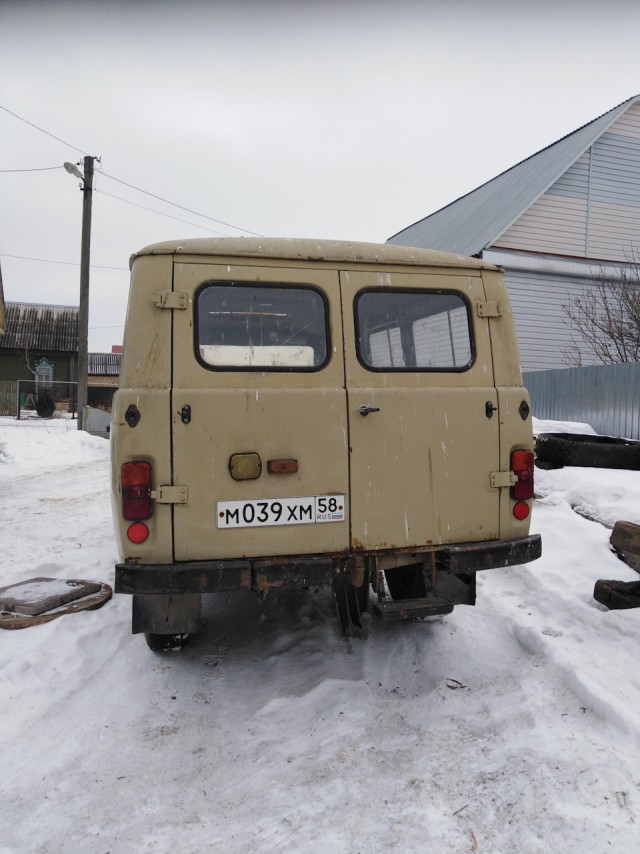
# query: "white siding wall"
593,210
555,225
541,324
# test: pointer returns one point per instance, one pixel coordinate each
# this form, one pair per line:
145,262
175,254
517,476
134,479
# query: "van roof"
302,249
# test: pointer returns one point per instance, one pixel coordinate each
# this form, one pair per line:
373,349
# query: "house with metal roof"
1,305
40,348
552,222
103,375
36,336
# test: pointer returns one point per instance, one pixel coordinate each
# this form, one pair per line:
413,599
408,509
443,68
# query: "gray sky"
345,120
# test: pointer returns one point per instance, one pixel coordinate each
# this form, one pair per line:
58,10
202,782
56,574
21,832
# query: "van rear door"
422,409
259,423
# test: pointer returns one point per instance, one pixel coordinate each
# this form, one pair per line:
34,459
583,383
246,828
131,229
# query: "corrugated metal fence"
605,396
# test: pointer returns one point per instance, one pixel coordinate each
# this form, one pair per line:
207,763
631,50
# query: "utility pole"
83,314
85,263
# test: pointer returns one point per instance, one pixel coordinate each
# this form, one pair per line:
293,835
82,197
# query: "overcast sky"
346,120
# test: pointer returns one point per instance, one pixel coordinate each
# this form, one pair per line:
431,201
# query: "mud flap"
166,614
351,595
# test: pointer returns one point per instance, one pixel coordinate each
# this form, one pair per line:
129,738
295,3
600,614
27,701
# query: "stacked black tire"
554,450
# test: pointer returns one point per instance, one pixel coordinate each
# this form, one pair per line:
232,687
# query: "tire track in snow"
550,606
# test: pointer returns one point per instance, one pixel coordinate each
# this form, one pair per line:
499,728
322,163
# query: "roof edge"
629,102
302,249
618,112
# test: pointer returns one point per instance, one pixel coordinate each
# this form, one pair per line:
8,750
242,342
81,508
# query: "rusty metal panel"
292,573
196,577
471,557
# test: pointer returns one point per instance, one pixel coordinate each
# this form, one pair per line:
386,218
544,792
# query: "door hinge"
171,494
488,309
503,478
171,299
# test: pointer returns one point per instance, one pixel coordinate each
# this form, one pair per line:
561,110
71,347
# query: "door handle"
489,409
365,410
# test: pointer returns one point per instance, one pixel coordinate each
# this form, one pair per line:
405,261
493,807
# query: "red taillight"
522,467
135,478
521,510
137,532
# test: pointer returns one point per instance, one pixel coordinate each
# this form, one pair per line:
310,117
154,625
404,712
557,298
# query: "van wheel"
406,582
166,643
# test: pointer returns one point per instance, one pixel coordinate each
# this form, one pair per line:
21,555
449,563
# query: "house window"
44,373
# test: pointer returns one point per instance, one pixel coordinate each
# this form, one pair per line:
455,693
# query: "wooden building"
40,347
102,379
39,342
552,222
1,305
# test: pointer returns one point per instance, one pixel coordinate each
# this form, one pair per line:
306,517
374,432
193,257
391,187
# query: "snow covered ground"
513,726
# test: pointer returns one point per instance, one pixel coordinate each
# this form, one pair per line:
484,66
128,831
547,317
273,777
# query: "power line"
41,169
160,213
132,186
66,263
57,138
188,210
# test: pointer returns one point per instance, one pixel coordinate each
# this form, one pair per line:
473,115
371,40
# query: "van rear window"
244,326
413,330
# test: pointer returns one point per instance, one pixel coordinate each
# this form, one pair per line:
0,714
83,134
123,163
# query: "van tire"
166,643
555,450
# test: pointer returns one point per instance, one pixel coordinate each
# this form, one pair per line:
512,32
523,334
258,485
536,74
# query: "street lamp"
85,253
72,169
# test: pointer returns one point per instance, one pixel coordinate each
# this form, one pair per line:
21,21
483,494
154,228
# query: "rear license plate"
308,510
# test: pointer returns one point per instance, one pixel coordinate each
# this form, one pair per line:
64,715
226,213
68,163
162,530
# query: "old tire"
166,643
554,450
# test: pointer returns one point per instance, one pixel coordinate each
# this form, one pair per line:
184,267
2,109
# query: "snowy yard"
513,726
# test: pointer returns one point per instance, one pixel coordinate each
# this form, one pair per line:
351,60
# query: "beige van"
298,413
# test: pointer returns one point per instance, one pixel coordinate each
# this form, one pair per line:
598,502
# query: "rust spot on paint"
263,582
356,573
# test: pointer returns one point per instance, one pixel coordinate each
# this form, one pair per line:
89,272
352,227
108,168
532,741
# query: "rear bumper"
472,557
217,576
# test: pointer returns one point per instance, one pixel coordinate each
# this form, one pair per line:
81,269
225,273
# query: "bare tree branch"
607,317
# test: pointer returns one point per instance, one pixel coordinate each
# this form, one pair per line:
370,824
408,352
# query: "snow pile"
540,426
47,444
509,727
